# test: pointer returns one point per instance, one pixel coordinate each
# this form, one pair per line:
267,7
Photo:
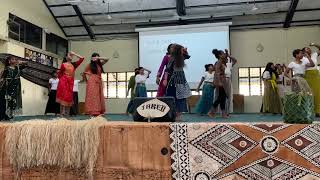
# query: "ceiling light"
254,8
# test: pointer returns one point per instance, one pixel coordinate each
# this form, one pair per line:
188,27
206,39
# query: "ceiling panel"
55,2
241,9
308,4
129,5
69,21
217,2
75,30
62,11
113,28
307,15
259,19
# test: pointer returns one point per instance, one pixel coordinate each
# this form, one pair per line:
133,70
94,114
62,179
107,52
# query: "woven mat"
242,151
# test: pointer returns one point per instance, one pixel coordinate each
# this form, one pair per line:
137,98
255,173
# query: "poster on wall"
41,58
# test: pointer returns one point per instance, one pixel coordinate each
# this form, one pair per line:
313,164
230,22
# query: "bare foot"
211,115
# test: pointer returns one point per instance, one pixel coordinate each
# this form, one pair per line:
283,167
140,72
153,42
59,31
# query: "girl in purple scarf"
162,88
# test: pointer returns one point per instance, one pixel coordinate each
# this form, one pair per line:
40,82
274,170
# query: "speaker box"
168,117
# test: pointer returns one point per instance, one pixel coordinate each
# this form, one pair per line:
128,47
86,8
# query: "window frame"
249,77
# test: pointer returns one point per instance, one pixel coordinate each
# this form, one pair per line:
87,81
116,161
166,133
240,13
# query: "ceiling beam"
181,7
46,4
59,5
290,14
83,21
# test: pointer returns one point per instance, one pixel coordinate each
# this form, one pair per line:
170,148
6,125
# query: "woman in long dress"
162,88
205,102
10,92
312,75
66,80
94,101
271,98
175,79
298,105
52,105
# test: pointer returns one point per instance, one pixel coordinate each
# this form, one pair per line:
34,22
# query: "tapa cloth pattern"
203,151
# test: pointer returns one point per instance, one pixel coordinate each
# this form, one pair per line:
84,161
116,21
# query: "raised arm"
317,46
311,63
104,60
80,60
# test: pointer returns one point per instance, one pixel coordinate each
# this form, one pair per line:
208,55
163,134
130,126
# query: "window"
250,81
24,31
116,84
56,44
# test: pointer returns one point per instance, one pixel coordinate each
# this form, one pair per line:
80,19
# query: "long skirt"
181,104
161,89
52,105
228,86
94,101
3,115
74,107
65,91
313,79
271,99
141,90
299,104
281,90
206,101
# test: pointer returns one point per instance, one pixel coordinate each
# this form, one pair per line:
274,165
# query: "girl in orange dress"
66,80
94,101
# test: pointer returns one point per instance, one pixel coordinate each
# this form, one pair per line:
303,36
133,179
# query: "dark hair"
178,56
207,66
65,60
304,49
136,71
168,49
94,64
217,53
7,60
53,73
296,52
270,70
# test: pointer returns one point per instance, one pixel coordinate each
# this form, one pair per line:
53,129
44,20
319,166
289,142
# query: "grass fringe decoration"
58,143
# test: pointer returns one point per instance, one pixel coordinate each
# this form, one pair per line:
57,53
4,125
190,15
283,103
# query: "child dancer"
175,80
52,105
162,89
280,80
66,80
271,99
204,104
74,108
141,78
131,88
94,102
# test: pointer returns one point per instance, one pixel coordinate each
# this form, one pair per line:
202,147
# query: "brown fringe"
56,143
